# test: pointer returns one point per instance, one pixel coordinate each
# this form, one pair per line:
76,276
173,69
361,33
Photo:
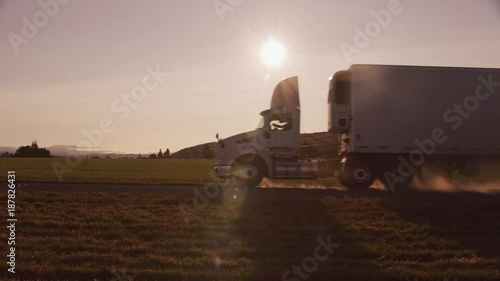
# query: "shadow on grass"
408,235
472,219
282,228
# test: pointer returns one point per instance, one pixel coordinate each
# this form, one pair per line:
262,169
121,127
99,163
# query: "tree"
34,145
160,154
32,151
152,156
166,154
207,152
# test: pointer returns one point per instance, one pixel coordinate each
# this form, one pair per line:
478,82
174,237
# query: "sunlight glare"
273,53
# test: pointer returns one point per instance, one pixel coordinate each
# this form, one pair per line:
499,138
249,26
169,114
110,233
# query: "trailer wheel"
247,174
357,174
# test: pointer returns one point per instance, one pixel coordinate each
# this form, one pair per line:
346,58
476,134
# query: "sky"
66,66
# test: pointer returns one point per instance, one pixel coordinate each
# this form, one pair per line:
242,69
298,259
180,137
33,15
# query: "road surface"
188,190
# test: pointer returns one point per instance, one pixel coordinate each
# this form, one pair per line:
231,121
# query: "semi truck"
385,122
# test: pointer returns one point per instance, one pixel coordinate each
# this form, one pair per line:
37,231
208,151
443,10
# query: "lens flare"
217,260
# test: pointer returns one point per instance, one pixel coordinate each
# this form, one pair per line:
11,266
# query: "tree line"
32,151
205,151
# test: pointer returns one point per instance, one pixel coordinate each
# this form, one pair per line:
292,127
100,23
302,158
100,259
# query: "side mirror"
219,140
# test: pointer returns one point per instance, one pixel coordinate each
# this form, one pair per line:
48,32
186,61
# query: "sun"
273,53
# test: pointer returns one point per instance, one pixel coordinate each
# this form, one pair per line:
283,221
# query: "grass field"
121,171
258,236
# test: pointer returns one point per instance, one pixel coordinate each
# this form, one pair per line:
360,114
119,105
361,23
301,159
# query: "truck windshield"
261,123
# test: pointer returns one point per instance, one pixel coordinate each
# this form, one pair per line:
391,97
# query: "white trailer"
386,122
392,119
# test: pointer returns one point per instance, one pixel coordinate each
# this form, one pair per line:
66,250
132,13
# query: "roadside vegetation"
114,171
127,171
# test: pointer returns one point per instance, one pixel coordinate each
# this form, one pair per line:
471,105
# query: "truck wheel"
357,175
247,174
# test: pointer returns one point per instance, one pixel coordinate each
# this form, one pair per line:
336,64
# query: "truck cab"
273,149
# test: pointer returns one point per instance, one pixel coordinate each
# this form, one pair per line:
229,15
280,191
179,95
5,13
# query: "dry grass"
118,171
258,236
127,171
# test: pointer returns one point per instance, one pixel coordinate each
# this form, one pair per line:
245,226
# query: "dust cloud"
436,181
485,182
267,183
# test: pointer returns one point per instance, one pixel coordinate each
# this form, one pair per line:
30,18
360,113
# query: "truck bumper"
223,171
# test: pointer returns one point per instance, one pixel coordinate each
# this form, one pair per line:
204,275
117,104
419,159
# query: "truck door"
283,119
282,134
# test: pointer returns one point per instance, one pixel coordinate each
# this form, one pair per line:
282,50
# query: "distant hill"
61,150
64,150
193,152
312,145
8,149
317,145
